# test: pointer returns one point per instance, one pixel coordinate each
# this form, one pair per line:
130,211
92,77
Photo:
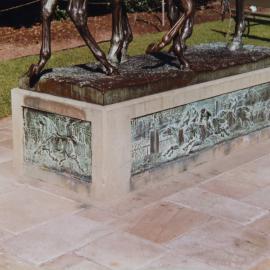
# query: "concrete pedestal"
111,143
130,143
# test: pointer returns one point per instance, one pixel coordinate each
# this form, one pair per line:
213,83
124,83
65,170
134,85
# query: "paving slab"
163,222
71,261
263,265
217,205
233,184
223,244
25,208
121,251
145,197
12,263
55,238
260,198
174,261
7,144
5,154
261,225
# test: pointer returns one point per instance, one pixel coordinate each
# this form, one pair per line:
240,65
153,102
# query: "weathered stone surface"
176,133
58,143
149,74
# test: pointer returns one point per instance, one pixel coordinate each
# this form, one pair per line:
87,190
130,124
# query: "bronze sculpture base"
150,74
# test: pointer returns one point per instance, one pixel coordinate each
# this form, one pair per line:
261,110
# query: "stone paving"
214,217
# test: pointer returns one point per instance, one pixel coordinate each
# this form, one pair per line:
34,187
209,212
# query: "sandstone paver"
234,184
121,251
263,265
26,207
216,205
260,198
5,154
223,244
163,222
261,225
55,238
174,261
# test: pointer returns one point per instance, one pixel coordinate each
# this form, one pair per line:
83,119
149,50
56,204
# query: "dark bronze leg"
187,31
121,33
173,34
128,36
78,13
117,32
167,38
240,26
48,8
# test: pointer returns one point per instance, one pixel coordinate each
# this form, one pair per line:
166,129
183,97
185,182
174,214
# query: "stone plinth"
88,131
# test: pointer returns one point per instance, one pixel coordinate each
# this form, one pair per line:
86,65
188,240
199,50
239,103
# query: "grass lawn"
10,71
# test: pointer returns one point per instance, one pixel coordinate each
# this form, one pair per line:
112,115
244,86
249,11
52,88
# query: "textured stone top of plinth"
149,74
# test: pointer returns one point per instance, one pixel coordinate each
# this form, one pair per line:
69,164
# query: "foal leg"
240,26
77,10
48,8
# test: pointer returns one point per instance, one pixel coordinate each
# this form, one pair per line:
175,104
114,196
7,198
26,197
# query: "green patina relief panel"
58,143
175,133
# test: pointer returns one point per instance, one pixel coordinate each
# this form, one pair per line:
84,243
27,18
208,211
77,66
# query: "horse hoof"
33,71
151,48
112,71
235,46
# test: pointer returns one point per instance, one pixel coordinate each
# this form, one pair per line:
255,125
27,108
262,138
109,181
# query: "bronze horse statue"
180,13
181,17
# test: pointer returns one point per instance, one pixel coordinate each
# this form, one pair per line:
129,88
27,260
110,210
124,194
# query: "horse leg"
173,15
77,10
121,34
48,8
187,31
128,36
117,32
240,26
176,48
188,6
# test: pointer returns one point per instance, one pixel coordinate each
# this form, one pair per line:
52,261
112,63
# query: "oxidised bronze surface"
149,74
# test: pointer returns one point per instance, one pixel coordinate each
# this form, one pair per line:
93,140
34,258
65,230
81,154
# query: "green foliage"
143,5
60,14
12,70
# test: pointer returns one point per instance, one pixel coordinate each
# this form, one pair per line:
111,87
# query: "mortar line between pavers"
76,247
44,223
167,251
50,193
264,211
86,259
70,250
215,220
212,178
134,237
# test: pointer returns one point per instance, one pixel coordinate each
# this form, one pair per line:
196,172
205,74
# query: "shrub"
143,5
